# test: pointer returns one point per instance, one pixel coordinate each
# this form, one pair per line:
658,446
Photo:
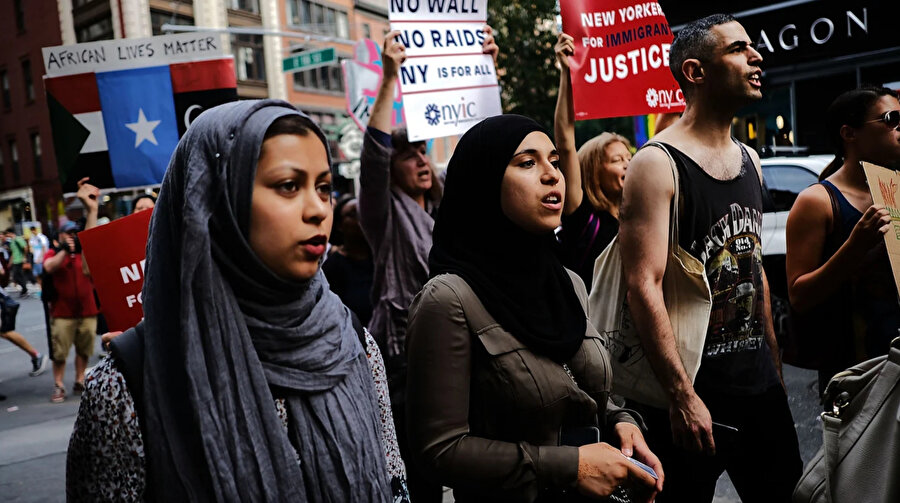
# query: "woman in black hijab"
251,384
506,378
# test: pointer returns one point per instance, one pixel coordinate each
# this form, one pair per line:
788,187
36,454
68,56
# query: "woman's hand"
565,47
602,468
634,446
871,228
392,56
108,336
489,46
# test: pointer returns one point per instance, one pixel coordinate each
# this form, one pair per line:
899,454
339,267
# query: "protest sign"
115,256
621,61
362,78
448,84
118,107
884,184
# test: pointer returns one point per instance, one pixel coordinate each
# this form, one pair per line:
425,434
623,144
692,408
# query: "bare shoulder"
649,173
813,205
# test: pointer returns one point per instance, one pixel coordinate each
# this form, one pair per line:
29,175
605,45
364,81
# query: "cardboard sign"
884,184
115,254
362,78
621,61
448,84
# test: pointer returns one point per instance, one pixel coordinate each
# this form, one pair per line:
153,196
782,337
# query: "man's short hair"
694,41
11,230
33,228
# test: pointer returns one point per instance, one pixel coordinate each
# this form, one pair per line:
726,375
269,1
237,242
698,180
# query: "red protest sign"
115,254
621,61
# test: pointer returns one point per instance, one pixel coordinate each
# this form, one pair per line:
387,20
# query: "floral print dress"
105,460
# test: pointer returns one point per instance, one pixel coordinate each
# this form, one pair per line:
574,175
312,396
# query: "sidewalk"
34,433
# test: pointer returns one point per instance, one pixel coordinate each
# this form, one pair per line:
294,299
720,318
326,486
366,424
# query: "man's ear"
693,71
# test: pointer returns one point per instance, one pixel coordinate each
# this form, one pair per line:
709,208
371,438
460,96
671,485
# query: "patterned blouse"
106,452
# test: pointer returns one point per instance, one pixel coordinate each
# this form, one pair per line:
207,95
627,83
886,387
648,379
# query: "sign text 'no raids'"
448,84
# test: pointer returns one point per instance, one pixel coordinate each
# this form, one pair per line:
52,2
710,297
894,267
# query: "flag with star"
120,127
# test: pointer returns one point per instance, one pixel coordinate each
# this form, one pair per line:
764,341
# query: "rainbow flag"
644,128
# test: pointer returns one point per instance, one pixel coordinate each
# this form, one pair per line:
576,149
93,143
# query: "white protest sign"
438,10
472,70
125,53
448,84
430,39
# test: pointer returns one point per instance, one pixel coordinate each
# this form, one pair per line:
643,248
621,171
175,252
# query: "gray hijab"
224,337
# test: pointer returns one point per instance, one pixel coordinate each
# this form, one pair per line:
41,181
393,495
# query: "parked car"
785,178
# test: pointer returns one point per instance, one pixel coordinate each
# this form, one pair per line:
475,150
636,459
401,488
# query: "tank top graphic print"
720,224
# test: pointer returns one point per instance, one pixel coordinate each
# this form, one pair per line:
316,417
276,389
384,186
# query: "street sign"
308,60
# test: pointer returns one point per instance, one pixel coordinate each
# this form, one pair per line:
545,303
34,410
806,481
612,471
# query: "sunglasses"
891,119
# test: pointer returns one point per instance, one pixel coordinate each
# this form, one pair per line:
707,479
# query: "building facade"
29,189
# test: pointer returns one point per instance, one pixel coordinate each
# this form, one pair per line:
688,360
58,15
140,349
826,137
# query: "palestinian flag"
120,127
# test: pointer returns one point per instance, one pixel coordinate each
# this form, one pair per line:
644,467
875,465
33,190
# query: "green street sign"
309,59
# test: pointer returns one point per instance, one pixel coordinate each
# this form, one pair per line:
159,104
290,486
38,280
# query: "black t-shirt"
720,223
585,234
351,280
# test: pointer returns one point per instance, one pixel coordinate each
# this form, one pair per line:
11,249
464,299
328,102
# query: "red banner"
115,254
621,61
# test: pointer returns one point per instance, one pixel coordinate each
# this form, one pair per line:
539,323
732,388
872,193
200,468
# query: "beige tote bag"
688,302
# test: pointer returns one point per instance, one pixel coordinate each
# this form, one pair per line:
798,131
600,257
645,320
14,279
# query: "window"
247,5
29,83
248,57
36,154
98,29
14,160
19,6
343,25
159,18
4,81
324,78
367,30
318,18
785,183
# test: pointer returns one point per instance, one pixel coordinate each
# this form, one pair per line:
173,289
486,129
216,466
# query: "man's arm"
90,199
54,262
769,327
564,127
644,237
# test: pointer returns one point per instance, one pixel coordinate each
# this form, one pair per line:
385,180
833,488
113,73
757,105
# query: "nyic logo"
432,115
664,98
450,114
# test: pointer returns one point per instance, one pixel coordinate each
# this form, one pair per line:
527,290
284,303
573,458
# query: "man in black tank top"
735,415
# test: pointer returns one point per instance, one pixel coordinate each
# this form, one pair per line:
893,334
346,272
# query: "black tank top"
720,224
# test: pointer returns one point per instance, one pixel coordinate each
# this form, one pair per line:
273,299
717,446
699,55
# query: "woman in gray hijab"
250,382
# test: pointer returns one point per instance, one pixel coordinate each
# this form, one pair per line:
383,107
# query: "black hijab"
514,273
224,336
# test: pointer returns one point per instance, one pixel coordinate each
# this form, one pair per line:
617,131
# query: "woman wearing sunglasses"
839,278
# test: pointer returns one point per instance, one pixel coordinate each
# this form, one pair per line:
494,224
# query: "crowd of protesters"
444,338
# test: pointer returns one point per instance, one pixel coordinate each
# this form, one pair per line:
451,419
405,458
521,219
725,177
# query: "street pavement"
34,433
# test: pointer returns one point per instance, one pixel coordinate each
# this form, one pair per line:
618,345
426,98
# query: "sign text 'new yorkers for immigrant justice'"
448,84
621,61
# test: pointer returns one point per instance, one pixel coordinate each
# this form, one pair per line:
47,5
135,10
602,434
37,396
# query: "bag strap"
676,197
836,222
